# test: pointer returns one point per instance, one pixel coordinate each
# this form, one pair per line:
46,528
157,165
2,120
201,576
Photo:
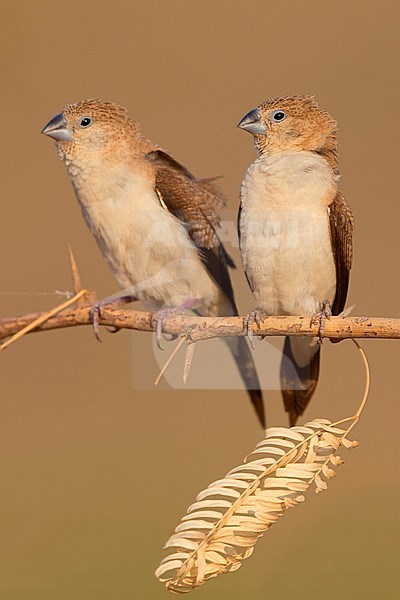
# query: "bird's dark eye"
278,116
85,122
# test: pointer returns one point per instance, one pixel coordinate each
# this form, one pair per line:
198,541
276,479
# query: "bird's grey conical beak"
252,123
57,129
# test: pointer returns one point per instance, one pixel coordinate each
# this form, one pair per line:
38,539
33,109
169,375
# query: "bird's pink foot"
254,316
95,311
324,313
158,318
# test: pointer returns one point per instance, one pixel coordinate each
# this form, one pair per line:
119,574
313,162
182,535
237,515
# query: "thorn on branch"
89,297
43,318
169,360
188,360
74,270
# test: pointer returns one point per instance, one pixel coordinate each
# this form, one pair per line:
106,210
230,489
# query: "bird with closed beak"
295,230
155,223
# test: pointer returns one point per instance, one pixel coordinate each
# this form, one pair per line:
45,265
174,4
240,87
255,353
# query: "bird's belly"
151,256
289,261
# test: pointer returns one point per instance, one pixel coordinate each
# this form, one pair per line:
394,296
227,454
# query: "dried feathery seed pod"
221,528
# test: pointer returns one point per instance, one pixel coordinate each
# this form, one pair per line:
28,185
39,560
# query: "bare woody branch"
203,328
193,329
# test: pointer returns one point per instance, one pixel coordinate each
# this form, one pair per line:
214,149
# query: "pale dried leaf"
284,433
193,524
215,557
201,566
217,491
304,467
203,514
304,430
209,504
312,450
264,462
245,470
234,567
183,543
174,556
188,534
276,442
320,483
347,443
331,439
171,565
233,483
274,450
292,472
336,461
328,473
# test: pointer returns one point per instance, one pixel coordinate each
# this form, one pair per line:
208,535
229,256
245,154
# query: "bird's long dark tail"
299,374
242,354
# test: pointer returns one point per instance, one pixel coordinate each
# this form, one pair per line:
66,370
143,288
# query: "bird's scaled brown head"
291,123
90,128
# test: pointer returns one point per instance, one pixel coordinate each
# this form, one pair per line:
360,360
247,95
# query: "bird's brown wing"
195,202
341,222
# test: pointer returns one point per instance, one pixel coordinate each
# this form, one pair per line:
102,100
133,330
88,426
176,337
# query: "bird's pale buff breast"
147,249
285,238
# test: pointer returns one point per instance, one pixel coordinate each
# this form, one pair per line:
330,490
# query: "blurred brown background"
96,475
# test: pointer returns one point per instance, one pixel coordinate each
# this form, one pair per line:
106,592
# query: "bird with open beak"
155,223
295,230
